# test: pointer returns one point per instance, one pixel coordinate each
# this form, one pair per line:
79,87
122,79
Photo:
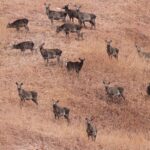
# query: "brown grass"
124,126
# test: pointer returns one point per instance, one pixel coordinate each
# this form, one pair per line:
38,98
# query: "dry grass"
124,126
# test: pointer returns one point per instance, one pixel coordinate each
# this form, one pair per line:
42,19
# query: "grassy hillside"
123,126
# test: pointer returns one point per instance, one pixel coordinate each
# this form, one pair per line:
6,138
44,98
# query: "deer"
23,46
19,23
55,15
146,55
26,95
70,12
70,28
114,91
91,129
76,66
50,53
112,51
85,17
148,89
60,111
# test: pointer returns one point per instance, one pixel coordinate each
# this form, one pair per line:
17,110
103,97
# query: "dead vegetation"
123,126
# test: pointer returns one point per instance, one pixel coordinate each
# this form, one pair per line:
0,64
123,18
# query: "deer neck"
89,126
41,49
20,91
47,11
81,63
108,47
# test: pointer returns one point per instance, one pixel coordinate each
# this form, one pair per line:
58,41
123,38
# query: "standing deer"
91,129
50,53
146,55
19,23
26,95
113,91
76,66
55,15
70,12
112,51
85,17
60,111
148,89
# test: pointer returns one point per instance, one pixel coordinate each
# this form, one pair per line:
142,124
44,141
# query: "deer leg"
35,101
67,118
22,51
123,96
78,35
93,24
47,61
58,59
81,35
94,138
84,24
67,34
72,19
21,103
51,21
27,28
31,50
17,28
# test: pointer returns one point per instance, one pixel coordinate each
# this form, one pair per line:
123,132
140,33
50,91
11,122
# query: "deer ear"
104,82
57,101
80,6
16,83
21,83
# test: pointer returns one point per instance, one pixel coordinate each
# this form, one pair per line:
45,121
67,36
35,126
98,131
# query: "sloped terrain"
123,126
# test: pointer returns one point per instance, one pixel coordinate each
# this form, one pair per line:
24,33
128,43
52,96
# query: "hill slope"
124,126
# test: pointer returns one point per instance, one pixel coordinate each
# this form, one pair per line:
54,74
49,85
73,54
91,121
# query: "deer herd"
113,92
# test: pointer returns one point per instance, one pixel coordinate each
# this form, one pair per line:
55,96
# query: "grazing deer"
55,15
70,28
70,12
146,55
85,17
91,129
19,23
50,53
114,91
60,111
76,66
26,95
112,51
24,46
